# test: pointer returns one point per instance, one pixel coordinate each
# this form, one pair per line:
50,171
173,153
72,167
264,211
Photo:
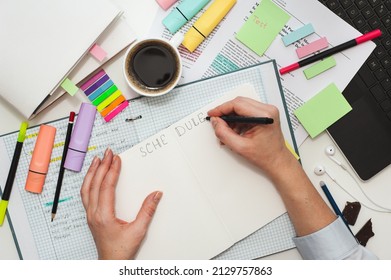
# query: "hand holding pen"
262,144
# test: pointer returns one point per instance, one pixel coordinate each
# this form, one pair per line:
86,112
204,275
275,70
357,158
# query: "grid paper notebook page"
68,236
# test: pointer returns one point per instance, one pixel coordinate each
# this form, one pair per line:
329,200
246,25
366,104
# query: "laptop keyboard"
365,16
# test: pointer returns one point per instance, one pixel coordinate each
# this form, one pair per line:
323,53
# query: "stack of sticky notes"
104,94
309,49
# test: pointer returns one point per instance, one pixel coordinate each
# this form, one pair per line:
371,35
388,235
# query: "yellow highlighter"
206,23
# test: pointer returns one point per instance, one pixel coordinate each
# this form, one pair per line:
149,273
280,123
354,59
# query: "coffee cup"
153,66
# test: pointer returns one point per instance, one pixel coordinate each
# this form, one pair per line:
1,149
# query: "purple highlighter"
80,137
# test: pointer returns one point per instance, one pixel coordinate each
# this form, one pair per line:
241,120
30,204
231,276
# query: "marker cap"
183,13
192,39
80,137
3,209
206,23
39,164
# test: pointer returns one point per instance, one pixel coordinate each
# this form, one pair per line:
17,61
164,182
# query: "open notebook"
68,236
212,198
44,41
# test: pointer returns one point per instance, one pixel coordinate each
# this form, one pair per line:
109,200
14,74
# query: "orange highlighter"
39,164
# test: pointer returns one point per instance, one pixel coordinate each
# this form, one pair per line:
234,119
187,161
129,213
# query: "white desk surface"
140,15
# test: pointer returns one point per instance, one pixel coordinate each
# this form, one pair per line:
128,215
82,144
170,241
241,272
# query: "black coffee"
154,65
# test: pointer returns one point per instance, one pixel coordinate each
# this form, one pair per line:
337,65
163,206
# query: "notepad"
212,198
45,40
262,27
322,110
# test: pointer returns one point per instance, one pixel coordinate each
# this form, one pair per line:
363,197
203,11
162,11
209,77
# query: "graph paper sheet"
68,236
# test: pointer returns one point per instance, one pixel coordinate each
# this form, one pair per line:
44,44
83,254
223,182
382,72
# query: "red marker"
363,38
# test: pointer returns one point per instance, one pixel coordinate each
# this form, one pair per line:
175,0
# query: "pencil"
240,119
62,169
334,204
354,42
12,171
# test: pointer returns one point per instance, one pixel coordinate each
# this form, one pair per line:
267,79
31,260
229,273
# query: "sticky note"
298,34
93,79
322,110
97,52
116,111
262,27
319,67
69,87
312,47
290,148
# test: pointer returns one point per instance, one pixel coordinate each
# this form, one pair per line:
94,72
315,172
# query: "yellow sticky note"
290,148
322,110
69,87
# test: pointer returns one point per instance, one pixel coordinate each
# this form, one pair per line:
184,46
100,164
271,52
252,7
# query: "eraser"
81,135
184,12
39,164
165,4
298,34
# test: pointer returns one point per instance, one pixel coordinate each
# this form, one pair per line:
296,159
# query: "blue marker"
183,13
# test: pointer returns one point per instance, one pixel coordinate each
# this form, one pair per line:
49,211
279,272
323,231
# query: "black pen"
62,169
240,119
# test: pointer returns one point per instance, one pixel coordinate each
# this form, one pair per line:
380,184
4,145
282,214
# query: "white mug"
153,66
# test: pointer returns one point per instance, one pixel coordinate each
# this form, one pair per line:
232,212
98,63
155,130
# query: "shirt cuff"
330,243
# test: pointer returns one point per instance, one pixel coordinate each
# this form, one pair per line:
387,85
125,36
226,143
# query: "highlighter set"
203,26
39,164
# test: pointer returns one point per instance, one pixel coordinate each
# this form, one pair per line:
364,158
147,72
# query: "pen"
334,204
240,119
62,169
354,42
12,172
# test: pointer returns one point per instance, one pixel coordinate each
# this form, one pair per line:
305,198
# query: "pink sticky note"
116,111
313,47
98,52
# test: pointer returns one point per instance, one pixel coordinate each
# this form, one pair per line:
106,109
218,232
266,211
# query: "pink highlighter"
165,4
39,164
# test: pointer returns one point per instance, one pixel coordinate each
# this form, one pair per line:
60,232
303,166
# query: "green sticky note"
319,67
322,110
262,27
69,87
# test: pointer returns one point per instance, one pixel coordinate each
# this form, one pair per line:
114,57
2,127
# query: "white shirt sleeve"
333,242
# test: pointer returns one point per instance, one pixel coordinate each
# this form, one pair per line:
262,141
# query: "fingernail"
108,150
213,121
115,159
94,161
158,195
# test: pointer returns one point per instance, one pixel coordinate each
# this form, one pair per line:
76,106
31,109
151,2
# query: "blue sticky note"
298,34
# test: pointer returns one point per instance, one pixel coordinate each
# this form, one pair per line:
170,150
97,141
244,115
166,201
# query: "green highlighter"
12,172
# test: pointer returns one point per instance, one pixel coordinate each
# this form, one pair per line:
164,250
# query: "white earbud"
321,170
330,151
